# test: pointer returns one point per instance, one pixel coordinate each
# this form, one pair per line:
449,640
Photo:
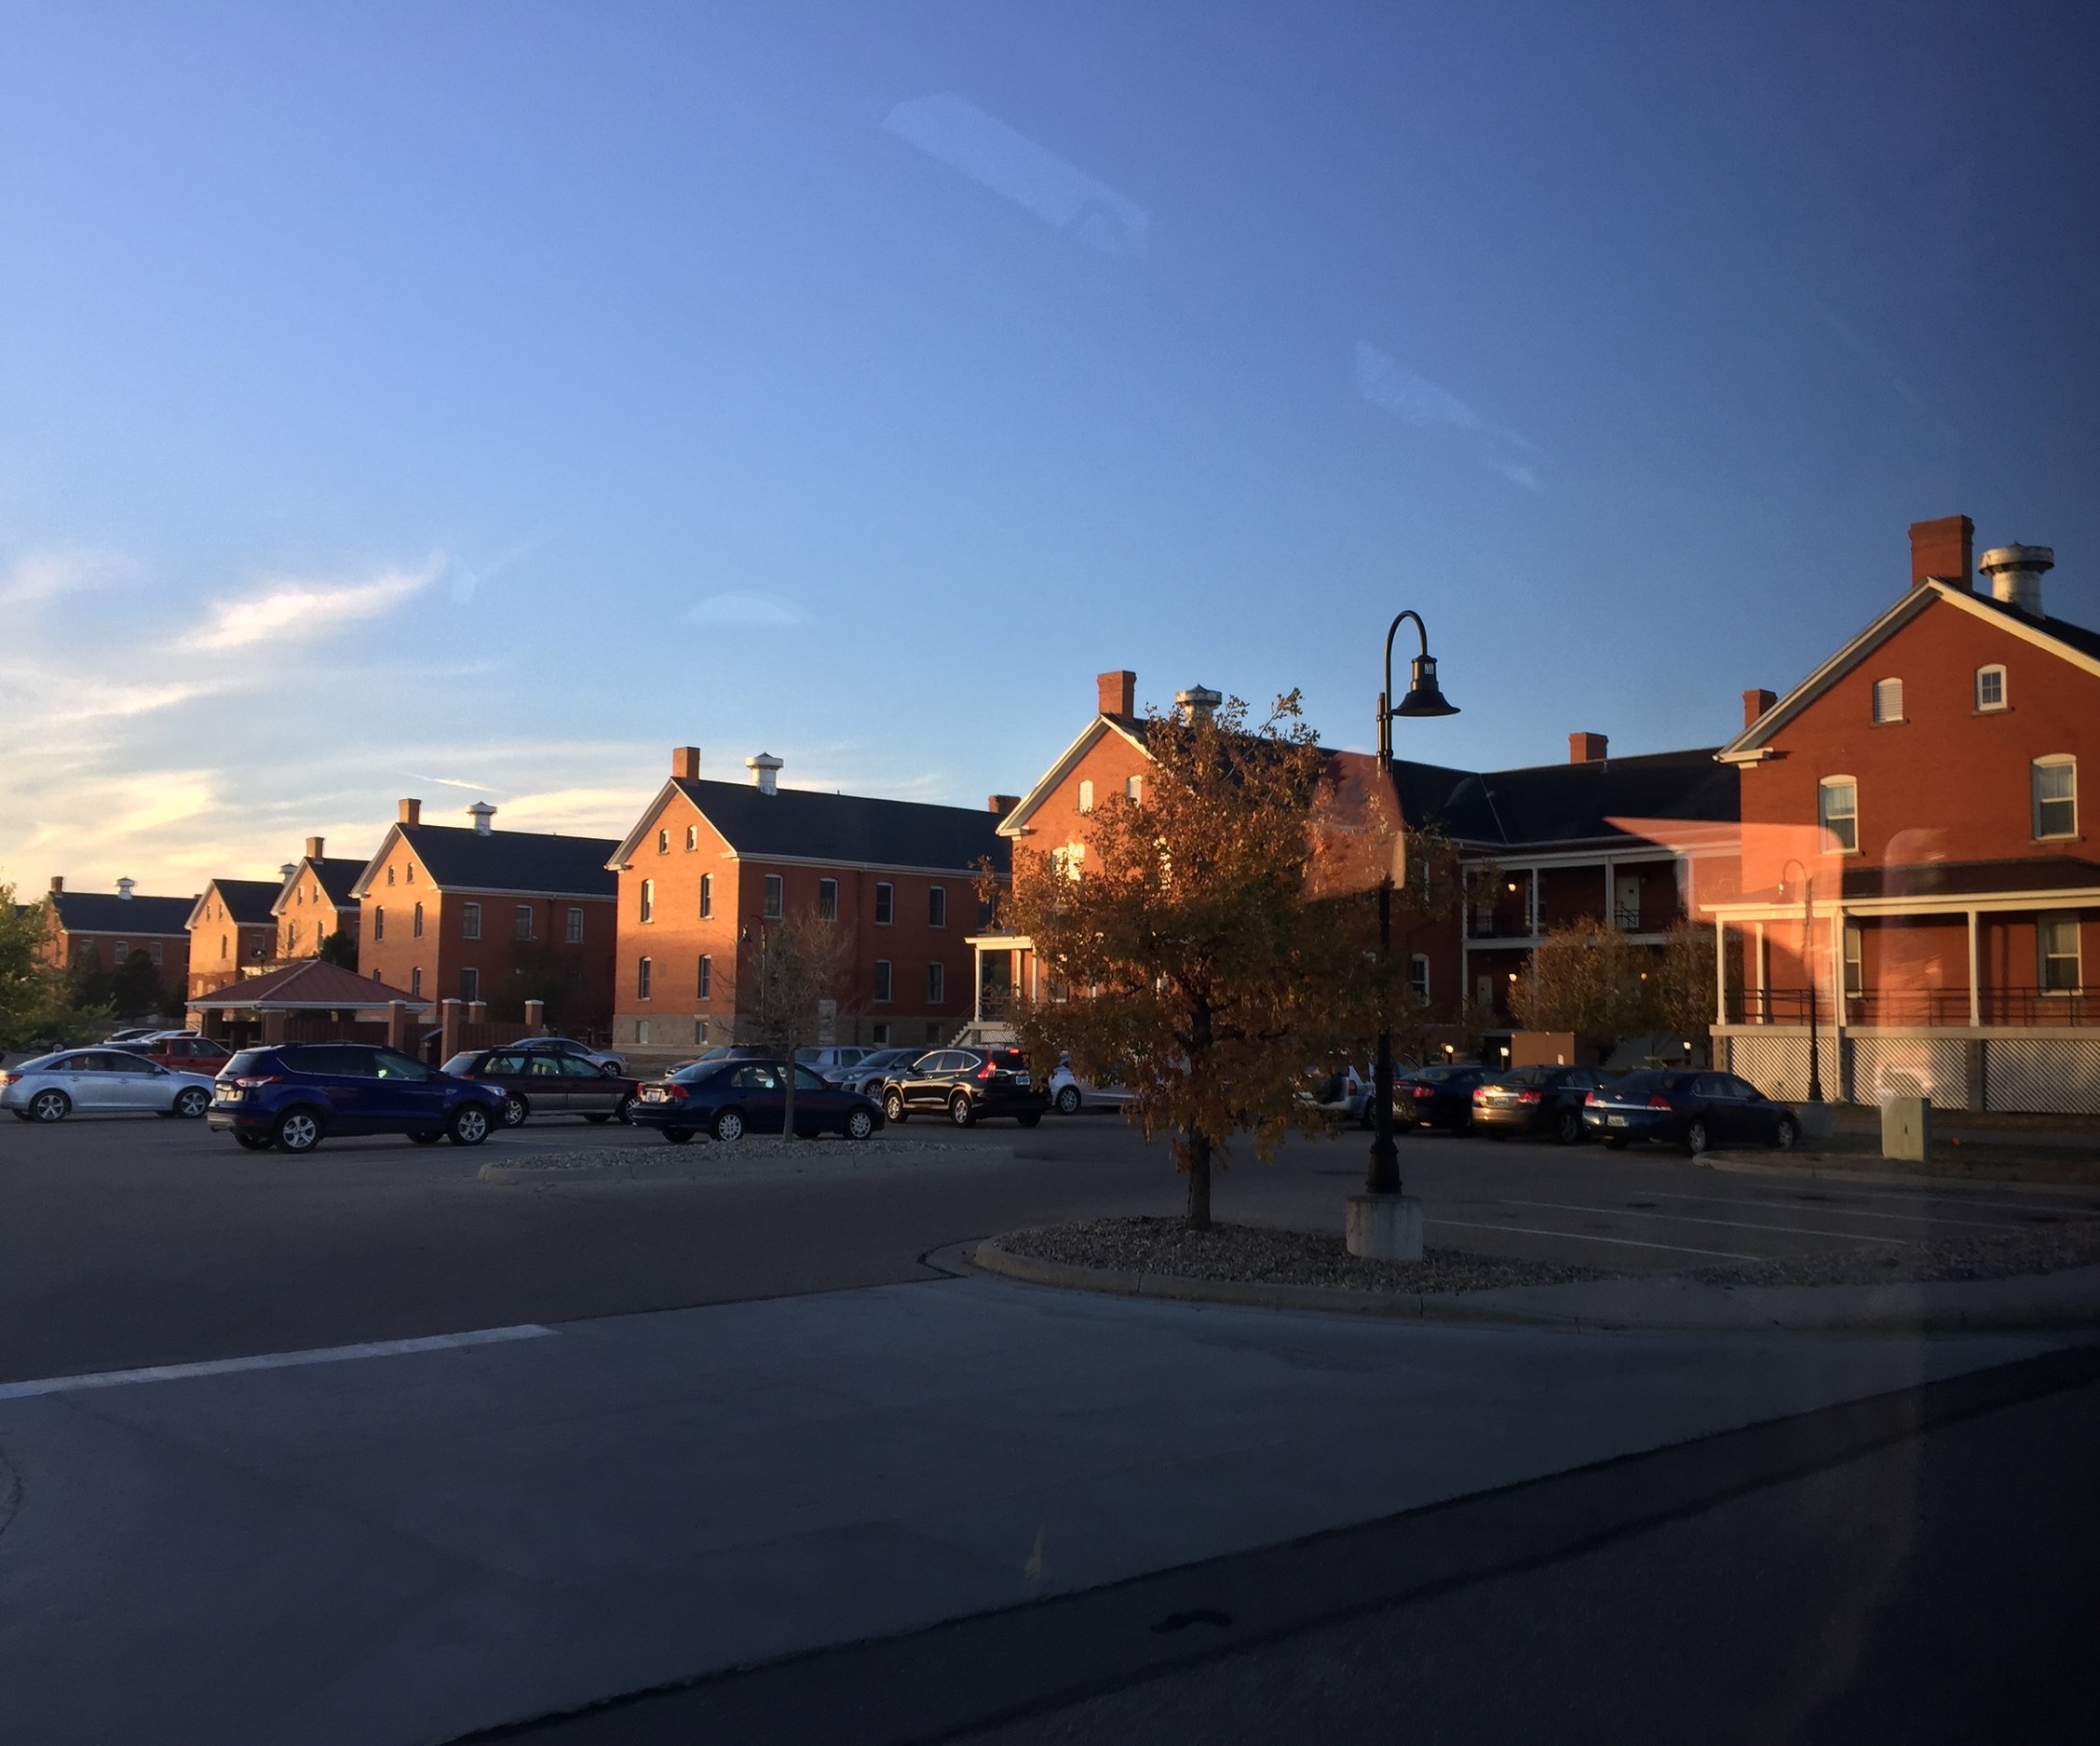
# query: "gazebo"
308,1002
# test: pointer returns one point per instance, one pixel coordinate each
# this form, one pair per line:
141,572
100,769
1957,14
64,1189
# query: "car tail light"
672,1088
1657,1101
1527,1097
1480,1094
262,1079
1589,1097
1423,1091
986,1071
8,1078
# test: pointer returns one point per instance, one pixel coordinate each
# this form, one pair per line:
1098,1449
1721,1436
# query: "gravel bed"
1250,1254
2046,1249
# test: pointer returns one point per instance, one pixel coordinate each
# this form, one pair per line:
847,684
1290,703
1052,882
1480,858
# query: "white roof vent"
480,812
764,772
1198,703
125,887
2015,574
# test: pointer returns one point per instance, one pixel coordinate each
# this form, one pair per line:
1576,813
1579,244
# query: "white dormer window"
1888,700
1133,790
1086,796
1990,688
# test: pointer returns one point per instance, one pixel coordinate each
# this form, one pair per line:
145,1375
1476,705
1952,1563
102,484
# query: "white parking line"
1847,1212
1624,1242
1687,1218
270,1360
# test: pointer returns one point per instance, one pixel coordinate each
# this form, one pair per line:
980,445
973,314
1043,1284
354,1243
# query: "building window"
415,980
878,1034
522,921
291,936
776,897
937,906
641,968
1855,968
882,978
152,952
122,949
1837,809
663,842
936,983
378,924
642,1030
648,899
2058,937
389,875
221,947
1133,790
707,896
1086,796
885,904
415,924
827,900
699,1029
1990,688
1070,861
574,934
1888,700
706,977
692,842
469,984
2056,796
1419,975
408,873
933,1030
469,921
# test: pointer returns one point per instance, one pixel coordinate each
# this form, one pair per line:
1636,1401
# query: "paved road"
128,1241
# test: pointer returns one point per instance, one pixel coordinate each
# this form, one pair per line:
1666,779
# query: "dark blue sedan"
1437,1097
729,1099
1691,1109
290,1095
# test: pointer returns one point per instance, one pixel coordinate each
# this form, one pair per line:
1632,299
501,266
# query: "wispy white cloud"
954,130
1384,381
293,608
750,609
35,577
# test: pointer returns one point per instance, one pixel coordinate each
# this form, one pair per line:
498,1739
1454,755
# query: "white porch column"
1975,975
1757,972
1720,971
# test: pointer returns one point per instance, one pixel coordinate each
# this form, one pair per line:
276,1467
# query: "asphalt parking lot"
128,1240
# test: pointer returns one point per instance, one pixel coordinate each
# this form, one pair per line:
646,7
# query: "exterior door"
1626,901
818,1104
760,1091
931,1079
547,1086
585,1089
130,1083
405,1091
91,1080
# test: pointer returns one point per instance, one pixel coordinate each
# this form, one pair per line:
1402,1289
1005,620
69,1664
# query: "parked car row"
1694,1108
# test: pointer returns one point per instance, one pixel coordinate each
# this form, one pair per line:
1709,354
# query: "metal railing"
1925,1007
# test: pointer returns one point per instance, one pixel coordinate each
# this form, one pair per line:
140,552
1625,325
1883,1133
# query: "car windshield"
702,1070
461,1062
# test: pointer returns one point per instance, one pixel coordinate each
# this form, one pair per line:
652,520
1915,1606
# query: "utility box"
1906,1129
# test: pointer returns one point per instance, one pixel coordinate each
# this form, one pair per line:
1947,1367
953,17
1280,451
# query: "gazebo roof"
311,986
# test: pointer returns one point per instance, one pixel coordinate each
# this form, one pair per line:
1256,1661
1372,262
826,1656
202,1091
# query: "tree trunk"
787,1112
1199,1180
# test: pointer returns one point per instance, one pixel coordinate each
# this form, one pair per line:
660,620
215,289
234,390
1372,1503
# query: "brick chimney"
411,812
685,763
1587,748
1944,548
313,849
1755,703
1116,693
58,884
1000,805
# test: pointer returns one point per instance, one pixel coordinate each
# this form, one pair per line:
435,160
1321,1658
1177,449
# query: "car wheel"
1568,1129
1029,1121
729,1126
1785,1134
1695,1137
515,1110
628,1105
961,1111
677,1136
469,1126
1068,1100
297,1131
860,1124
893,1105
253,1142
50,1106
191,1102
427,1136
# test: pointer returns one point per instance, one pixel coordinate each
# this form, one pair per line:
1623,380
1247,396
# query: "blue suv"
288,1096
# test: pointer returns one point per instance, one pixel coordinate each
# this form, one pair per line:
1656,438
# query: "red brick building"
1925,778
449,912
315,900
230,928
711,866
84,925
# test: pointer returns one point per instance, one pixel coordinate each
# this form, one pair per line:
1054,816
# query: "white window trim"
931,891
645,910
1888,721
881,982
2042,957
644,978
2053,760
883,885
1823,812
2004,690
1086,796
1418,974
773,884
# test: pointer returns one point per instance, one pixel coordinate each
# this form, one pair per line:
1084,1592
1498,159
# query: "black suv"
969,1084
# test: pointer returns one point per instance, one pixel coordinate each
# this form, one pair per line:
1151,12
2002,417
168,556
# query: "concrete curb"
703,1161
2070,1299
1901,1179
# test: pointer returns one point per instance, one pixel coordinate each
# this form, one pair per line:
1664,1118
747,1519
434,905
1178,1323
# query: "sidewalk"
402,1548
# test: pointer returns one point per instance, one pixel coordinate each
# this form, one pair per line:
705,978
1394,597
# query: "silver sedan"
51,1087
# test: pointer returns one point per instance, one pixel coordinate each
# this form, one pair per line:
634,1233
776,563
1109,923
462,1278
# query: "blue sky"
475,400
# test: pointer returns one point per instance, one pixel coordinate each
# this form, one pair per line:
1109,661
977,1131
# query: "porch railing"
1926,1008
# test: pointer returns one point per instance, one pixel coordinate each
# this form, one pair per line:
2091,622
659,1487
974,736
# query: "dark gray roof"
337,873
2077,637
1569,803
848,829
246,900
463,858
2037,872
106,913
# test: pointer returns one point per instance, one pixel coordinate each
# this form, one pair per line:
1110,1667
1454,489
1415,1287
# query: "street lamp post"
1423,699
1808,964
